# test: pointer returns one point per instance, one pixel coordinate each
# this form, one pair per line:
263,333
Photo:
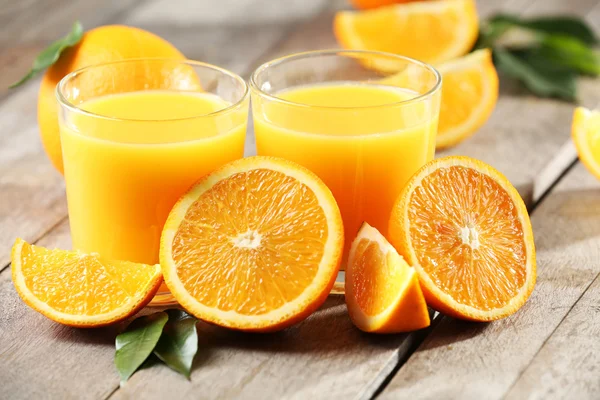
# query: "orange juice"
128,157
364,140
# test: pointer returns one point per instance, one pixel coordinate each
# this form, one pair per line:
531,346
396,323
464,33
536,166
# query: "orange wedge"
466,231
585,132
430,31
81,290
469,96
382,290
256,245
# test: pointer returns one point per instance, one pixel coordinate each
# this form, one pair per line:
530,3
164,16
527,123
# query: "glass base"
165,298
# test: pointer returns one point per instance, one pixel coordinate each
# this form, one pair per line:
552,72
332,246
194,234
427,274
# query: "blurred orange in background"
101,45
429,31
366,4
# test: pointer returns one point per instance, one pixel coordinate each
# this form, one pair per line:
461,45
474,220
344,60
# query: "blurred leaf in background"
545,54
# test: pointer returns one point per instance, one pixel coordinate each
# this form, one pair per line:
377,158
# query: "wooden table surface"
549,349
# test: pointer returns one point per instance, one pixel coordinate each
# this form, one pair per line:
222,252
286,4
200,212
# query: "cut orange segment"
586,135
81,290
469,96
382,290
256,245
466,231
430,31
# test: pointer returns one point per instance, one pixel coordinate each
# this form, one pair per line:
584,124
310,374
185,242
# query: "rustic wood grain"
566,367
472,361
28,26
525,137
34,199
40,359
325,356
278,371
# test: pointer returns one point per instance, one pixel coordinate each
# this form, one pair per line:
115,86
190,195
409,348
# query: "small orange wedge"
81,290
430,31
585,132
466,231
382,290
469,95
256,245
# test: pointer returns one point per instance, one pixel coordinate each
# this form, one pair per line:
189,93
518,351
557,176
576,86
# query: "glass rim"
63,101
340,52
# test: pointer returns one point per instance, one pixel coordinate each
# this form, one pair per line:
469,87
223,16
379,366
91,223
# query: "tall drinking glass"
363,121
135,135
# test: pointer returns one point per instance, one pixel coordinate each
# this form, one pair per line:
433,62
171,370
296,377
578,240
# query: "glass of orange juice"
363,121
135,135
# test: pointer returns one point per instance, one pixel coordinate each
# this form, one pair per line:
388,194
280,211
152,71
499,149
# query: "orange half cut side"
466,231
256,245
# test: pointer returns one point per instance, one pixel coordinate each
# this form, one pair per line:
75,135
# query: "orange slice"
469,96
430,31
466,231
256,245
586,135
81,290
382,290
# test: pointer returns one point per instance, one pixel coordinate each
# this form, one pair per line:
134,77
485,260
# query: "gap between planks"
394,359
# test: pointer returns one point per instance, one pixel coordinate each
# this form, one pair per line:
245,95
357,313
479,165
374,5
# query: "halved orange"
585,132
81,290
430,31
469,95
382,290
256,245
466,231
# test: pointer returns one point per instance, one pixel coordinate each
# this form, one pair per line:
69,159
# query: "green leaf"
137,342
179,342
51,54
537,73
489,33
572,53
565,26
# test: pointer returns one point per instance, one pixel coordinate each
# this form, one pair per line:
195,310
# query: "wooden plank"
468,360
323,357
523,127
23,33
35,199
32,192
346,364
501,142
33,203
41,359
566,366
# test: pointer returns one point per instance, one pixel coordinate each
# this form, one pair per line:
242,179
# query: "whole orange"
367,4
99,45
